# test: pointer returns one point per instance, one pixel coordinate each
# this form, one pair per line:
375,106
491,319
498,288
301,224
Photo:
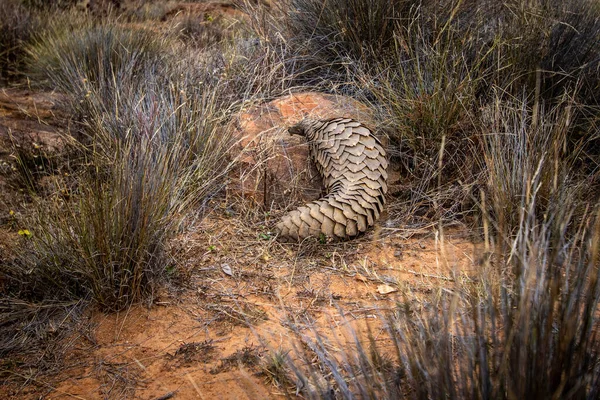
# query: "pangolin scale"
353,165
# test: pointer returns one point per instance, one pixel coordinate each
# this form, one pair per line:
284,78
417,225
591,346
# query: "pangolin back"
353,166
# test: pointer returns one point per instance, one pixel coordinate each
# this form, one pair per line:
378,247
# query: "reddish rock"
30,119
274,168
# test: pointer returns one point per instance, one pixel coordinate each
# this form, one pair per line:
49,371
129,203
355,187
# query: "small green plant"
322,238
264,236
275,368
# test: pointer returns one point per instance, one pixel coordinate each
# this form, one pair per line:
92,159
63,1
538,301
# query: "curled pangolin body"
353,165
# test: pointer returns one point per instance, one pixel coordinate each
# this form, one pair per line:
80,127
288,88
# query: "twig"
166,396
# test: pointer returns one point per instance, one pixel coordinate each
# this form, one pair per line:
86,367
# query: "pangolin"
353,165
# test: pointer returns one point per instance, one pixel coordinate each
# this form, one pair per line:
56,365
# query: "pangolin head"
305,127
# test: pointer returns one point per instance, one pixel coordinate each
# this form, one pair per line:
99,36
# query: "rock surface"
274,168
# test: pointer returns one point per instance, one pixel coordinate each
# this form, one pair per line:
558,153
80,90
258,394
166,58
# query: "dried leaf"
226,269
386,289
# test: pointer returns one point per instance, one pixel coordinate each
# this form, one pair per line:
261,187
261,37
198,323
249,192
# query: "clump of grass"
551,45
278,60
17,26
36,336
338,30
275,369
556,38
427,96
153,147
81,57
530,150
112,239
